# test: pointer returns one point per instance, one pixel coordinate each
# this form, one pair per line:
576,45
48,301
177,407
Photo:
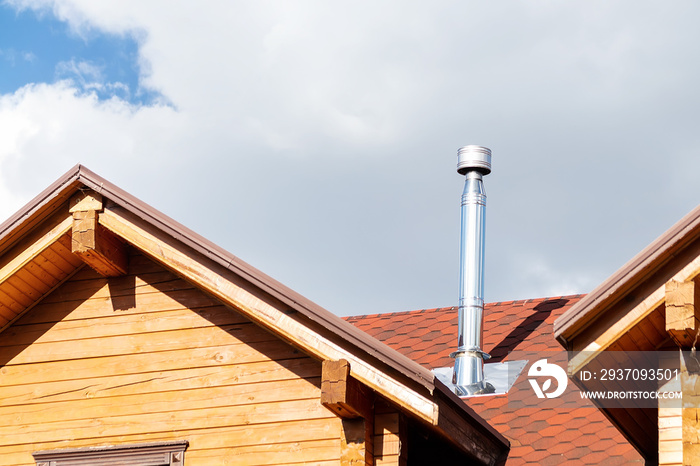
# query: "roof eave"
59,192
271,286
26,217
640,267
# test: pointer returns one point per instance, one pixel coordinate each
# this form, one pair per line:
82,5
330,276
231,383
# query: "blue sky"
317,140
36,47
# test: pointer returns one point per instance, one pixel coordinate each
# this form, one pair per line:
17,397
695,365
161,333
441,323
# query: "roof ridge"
79,175
395,313
492,304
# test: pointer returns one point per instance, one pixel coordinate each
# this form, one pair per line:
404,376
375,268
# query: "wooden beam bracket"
353,402
344,395
95,245
233,290
683,312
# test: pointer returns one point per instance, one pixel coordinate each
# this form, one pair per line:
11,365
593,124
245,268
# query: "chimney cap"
474,158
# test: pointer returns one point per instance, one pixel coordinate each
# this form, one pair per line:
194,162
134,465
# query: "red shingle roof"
572,434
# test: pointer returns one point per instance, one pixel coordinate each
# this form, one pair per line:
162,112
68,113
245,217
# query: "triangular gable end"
83,219
652,304
149,357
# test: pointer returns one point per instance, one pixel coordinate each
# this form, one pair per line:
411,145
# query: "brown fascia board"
33,212
59,192
444,393
634,272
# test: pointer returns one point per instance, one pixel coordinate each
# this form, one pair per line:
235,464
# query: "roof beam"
450,417
96,246
354,403
259,307
342,394
683,312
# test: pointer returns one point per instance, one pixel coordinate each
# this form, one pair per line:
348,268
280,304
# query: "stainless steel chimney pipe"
468,375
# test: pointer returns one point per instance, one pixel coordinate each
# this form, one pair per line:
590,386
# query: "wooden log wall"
390,436
683,326
147,357
670,416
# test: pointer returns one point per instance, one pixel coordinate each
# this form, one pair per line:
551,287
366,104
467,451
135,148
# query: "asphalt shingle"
568,434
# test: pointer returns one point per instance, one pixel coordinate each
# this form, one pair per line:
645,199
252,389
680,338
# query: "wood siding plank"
206,440
23,253
82,373
206,356
155,382
121,325
234,291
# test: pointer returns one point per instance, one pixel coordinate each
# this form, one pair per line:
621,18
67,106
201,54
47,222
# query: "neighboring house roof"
634,311
570,433
641,267
41,227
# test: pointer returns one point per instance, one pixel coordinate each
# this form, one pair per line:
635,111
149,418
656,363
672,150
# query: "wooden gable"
148,357
121,327
652,304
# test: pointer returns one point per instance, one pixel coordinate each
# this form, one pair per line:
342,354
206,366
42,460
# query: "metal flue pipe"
468,376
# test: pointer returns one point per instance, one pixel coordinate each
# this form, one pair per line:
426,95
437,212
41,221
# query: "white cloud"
291,73
12,55
84,71
325,133
47,128
89,77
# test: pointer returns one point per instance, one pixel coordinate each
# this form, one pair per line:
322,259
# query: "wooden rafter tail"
353,402
266,311
683,312
260,308
342,394
95,245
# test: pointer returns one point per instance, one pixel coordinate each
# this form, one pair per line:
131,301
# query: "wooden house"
126,338
652,304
